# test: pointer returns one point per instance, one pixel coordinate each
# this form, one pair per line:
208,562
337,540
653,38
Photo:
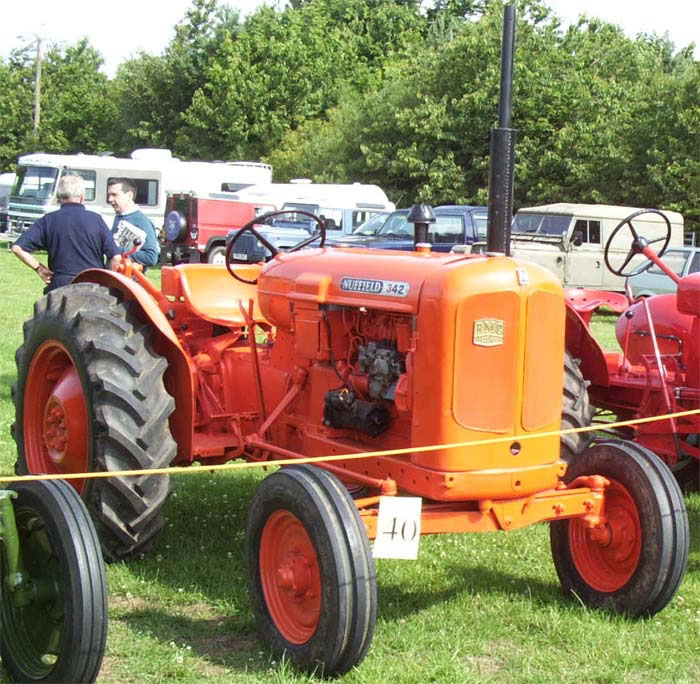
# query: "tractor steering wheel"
250,228
639,242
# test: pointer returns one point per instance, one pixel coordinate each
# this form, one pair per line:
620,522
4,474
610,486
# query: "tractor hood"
391,281
354,277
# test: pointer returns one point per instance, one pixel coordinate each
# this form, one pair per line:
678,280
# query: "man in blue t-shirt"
121,193
73,237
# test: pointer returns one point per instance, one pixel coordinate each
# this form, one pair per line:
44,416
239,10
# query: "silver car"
655,281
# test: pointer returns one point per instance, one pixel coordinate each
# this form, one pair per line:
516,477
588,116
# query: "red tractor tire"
90,398
634,563
576,409
311,572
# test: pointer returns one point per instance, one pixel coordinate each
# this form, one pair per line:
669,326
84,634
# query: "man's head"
121,193
70,189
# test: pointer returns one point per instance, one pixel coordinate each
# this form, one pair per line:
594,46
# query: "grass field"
472,608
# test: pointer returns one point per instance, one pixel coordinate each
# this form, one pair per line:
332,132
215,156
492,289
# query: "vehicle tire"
311,572
635,563
90,397
576,409
217,255
60,635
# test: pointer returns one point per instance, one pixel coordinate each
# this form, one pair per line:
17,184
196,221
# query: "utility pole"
37,91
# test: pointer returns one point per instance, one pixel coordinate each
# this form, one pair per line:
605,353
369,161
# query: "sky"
121,29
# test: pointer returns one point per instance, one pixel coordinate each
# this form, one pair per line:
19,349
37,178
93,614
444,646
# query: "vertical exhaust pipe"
501,168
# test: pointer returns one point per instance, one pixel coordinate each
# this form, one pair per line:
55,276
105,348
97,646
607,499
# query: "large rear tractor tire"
90,398
311,572
54,624
576,409
633,563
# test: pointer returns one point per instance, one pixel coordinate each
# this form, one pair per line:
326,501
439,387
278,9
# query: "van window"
588,230
359,217
332,217
89,178
543,224
146,190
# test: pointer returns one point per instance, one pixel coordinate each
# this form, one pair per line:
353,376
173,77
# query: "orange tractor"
451,363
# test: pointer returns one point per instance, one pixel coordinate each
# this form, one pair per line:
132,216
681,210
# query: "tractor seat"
212,293
688,296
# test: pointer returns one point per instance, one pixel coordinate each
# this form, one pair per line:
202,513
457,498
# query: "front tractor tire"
53,626
634,563
311,572
90,398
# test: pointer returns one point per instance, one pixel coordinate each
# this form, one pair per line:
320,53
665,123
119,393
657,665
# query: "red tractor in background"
448,368
657,370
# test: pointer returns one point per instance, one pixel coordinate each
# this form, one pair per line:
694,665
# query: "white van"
569,239
154,172
342,207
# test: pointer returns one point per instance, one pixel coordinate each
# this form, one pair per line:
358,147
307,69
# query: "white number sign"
398,527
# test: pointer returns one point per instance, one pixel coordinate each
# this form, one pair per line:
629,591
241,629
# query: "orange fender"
180,375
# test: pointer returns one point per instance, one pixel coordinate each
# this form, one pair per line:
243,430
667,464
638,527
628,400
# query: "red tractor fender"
179,378
582,345
581,304
587,302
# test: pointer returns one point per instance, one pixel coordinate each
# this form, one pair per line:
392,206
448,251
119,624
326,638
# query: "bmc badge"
488,332
390,288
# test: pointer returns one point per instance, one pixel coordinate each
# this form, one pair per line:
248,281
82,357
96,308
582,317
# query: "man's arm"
30,260
149,252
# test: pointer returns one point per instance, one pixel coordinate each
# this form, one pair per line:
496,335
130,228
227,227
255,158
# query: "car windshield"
542,224
371,225
35,182
396,226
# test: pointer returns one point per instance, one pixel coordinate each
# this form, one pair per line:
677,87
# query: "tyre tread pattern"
130,409
576,409
77,547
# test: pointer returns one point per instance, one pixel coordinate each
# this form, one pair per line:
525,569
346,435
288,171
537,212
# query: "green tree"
74,108
285,68
600,118
150,93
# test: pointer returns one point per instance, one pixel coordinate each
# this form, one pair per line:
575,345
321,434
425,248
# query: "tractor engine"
381,341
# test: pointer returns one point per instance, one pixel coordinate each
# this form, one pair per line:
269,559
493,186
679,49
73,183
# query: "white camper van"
569,240
342,207
153,171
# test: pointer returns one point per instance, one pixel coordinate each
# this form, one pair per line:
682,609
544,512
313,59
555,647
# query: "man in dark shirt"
73,237
121,194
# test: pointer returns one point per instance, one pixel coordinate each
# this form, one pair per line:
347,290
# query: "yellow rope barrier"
177,470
